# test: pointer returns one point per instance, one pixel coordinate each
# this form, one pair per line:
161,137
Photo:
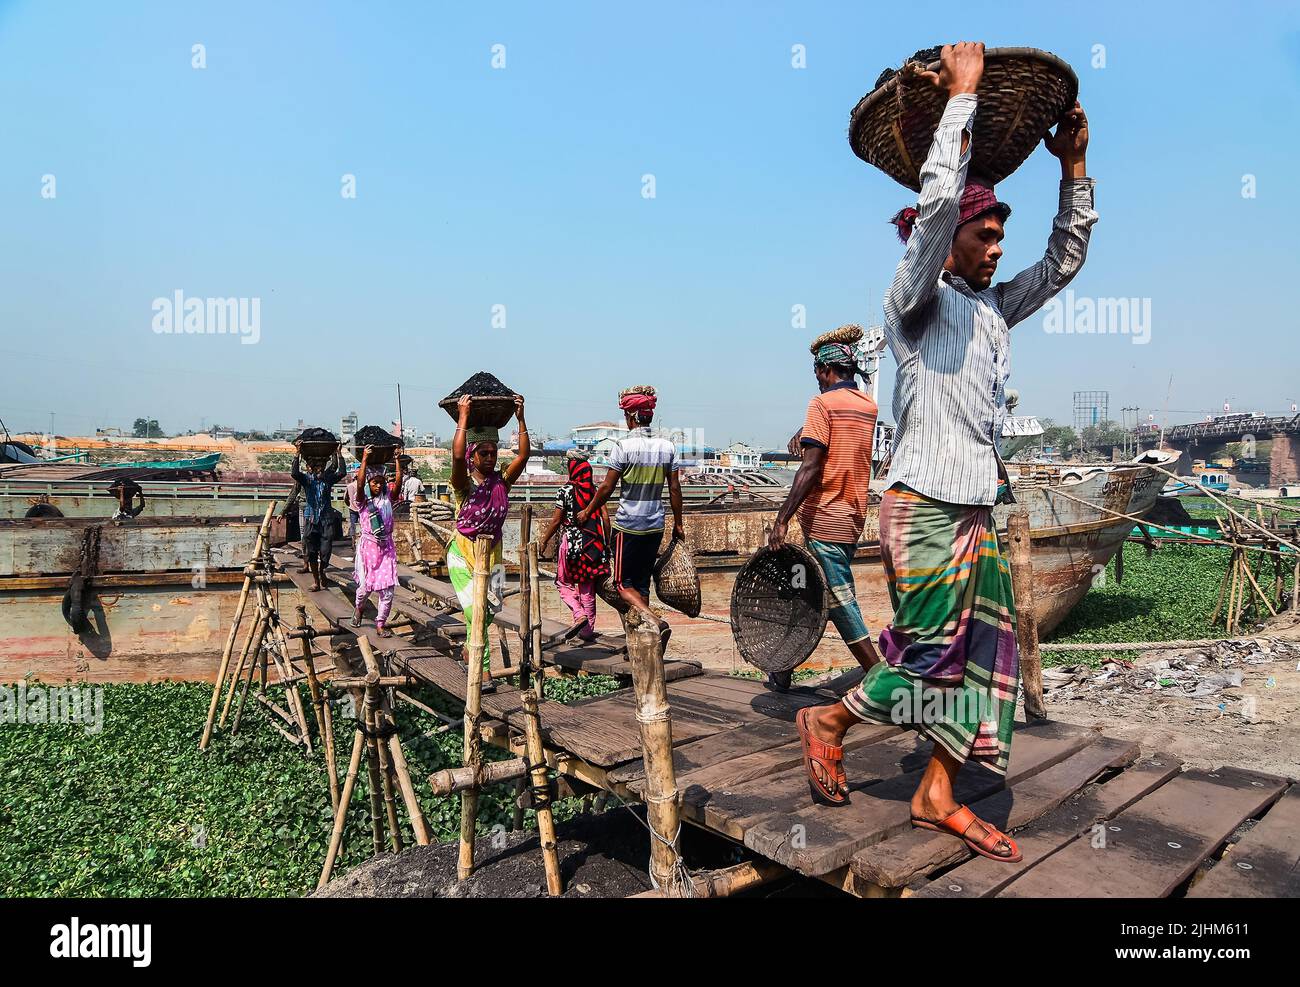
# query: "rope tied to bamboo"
681,884
660,715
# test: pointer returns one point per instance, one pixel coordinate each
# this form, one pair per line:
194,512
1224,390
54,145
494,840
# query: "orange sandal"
829,758
958,823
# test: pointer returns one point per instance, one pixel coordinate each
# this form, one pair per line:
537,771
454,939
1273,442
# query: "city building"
348,426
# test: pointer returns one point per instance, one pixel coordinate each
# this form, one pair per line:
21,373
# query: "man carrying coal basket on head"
319,518
953,633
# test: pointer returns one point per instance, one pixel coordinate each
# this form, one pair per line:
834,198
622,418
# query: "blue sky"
522,187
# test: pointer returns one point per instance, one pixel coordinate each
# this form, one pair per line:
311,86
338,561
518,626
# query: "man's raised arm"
943,175
1067,246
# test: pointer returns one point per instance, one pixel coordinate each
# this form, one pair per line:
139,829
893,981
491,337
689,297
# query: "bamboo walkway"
1092,815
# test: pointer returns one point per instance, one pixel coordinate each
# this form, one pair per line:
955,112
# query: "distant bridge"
1225,428
1282,430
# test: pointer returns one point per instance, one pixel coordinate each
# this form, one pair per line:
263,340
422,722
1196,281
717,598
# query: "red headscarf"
584,486
977,198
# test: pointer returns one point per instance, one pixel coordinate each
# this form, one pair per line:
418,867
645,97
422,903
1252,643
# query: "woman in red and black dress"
583,556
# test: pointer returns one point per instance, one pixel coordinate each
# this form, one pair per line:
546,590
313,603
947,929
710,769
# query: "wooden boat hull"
160,606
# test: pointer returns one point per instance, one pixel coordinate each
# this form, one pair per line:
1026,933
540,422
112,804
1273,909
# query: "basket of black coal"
384,444
316,444
493,403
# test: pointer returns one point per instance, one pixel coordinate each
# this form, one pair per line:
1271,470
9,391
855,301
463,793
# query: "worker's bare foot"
316,587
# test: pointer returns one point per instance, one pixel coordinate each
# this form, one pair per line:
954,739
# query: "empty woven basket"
778,608
676,581
1022,93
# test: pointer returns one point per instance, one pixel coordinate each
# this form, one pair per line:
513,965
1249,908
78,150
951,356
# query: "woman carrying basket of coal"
481,494
375,566
583,557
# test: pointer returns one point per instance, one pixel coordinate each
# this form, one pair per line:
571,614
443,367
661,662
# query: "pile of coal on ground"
601,856
482,385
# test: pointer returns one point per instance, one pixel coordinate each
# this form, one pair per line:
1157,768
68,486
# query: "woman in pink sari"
375,564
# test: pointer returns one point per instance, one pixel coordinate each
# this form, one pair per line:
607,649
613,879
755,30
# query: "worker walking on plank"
319,519
830,490
375,562
951,668
482,498
642,462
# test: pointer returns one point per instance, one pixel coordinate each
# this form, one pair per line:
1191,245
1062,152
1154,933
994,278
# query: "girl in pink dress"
375,562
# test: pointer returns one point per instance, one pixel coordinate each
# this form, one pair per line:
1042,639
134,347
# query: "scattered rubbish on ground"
1190,674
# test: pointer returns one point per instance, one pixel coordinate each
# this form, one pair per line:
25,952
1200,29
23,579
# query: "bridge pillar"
1284,462
1184,449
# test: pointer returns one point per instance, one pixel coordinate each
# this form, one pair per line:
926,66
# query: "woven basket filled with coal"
316,443
1022,94
676,581
384,443
493,405
778,608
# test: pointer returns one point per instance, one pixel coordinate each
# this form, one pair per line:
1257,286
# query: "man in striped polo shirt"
643,462
830,490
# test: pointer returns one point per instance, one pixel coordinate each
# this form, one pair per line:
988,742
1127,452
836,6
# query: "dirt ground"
1255,724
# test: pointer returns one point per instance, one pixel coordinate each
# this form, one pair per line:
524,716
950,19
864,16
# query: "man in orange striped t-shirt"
829,492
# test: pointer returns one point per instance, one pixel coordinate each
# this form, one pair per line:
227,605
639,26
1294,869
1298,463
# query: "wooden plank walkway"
605,656
1094,817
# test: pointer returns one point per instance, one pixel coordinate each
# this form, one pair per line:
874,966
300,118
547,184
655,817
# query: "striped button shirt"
952,344
643,462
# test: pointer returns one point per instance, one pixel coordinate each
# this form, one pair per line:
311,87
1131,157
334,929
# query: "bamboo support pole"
313,684
727,881
473,743
293,696
1263,598
654,717
449,781
288,735
517,818
252,648
535,619
385,681
525,604
525,649
277,709
539,778
253,660
341,813
1022,588
403,771
380,769
324,719
234,631
372,774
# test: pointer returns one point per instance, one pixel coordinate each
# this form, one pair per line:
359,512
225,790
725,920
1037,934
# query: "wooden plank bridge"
1092,814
